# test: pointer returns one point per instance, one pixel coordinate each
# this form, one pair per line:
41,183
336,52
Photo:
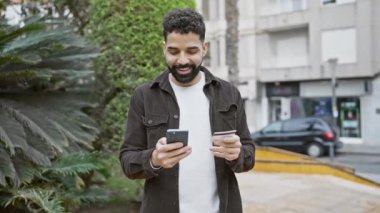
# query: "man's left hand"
227,147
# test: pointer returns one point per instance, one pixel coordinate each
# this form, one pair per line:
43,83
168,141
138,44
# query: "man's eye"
173,52
192,51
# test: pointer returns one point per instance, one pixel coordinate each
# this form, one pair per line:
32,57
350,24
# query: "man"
198,177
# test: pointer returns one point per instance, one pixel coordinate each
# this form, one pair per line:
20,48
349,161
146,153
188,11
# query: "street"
365,165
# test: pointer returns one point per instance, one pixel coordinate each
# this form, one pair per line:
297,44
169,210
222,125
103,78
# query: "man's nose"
183,59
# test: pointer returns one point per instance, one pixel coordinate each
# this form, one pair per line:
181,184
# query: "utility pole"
332,62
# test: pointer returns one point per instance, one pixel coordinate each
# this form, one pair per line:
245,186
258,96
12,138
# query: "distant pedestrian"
15,13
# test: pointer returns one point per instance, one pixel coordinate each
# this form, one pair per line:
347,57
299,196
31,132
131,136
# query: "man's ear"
164,46
205,48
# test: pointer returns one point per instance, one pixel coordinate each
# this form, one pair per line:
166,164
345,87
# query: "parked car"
306,135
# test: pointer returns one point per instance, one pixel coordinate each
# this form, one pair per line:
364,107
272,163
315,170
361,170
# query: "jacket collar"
162,80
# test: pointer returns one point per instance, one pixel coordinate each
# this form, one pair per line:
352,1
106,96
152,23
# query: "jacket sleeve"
246,159
134,154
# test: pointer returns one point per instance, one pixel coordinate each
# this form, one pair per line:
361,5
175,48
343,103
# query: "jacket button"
176,117
150,122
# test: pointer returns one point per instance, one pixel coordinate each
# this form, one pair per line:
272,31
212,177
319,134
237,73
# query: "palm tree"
45,76
232,40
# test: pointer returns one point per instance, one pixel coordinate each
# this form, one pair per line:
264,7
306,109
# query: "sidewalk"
359,149
287,193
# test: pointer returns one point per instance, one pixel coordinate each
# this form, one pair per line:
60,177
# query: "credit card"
229,132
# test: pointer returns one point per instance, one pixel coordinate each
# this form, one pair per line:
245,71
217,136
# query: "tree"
130,35
232,40
44,74
78,9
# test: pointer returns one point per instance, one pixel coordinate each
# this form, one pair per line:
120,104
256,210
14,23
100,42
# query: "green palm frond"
86,196
42,70
57,56
40,128
17,76
15,138
8,130
8,33
73,165
45,39
25,171
12,109
6,167
7,59
37,200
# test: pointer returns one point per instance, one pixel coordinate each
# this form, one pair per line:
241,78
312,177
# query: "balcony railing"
285,62
275,7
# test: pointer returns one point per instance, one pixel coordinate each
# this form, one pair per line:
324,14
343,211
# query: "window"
298,125
349,117
274,7
319,126
305,107
326,2
289,48
273,128
340,44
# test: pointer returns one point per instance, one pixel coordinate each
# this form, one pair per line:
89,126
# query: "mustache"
181,66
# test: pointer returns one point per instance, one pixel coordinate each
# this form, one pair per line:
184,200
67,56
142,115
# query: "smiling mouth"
183,71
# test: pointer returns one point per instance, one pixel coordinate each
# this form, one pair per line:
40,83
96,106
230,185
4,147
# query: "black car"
307,135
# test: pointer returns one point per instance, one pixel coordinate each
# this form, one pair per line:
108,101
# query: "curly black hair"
184,21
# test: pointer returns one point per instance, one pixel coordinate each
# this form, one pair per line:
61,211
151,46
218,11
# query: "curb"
269,159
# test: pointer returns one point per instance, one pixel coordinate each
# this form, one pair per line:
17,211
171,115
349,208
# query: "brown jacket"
153,110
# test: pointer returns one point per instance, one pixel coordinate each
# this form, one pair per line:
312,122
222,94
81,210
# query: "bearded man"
199,177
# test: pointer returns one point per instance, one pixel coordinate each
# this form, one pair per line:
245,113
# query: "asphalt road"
365,165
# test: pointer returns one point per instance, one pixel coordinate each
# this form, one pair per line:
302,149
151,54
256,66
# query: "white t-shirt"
198,191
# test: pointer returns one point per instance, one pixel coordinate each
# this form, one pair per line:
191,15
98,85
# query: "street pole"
332,62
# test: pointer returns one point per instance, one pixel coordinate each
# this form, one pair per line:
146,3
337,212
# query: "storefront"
313,98
279,96
348,120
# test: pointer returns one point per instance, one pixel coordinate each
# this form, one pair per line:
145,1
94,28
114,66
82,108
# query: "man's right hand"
167,155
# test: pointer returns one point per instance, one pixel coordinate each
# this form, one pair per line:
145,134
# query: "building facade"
213,12
289,52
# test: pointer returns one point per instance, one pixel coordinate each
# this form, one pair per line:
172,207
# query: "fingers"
235,150
164,153
170,162
227,147
229,157
168,155
232,141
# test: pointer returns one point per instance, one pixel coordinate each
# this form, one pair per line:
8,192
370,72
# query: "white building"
214,14
283,53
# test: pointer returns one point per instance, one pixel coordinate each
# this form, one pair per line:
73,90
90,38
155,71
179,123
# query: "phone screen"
177,135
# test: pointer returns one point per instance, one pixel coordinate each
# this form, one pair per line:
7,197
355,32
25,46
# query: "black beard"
184,78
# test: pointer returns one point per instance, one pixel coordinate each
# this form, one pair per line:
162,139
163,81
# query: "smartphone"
177,135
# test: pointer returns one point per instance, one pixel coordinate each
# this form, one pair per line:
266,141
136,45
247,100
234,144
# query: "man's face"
184,54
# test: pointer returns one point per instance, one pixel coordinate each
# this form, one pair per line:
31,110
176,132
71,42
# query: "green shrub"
130,33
